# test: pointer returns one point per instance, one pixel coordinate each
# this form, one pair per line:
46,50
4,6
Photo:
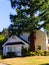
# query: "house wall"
4,50
47,43
41,40
15,48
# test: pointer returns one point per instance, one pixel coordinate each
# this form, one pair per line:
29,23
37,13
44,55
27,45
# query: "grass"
34,60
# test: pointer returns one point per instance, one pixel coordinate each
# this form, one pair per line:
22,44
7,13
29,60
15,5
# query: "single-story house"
14,43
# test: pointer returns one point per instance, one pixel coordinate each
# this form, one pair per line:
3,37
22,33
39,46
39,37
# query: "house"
41,40
15,44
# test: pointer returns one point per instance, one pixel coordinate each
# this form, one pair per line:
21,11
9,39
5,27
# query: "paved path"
3,64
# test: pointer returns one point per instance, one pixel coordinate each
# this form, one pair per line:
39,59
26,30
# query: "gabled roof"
13,40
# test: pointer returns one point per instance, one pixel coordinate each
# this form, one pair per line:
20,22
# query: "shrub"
1,55
11,54
32,53
39,48
24,52
46,53
40,52
28,52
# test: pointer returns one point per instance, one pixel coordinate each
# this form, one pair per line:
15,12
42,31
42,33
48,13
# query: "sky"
5,11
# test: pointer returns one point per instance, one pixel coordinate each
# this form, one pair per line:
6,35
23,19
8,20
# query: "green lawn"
34,60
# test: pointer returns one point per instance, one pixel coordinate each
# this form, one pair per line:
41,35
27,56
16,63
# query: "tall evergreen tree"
25,19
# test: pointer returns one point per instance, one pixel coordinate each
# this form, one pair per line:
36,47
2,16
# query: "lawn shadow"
45,64
14,57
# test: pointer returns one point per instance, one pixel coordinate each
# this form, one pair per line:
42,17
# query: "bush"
28,52
11,54
39,48
46,53
32,53
40,52
24,52
1,55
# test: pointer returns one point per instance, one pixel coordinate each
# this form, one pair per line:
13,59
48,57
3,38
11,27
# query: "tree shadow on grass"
45,64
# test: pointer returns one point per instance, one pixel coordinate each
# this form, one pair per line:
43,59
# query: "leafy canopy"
2,40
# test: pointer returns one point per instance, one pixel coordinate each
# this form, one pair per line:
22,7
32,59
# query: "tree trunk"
32,41
33,33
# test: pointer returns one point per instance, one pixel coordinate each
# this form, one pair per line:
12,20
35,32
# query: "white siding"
15,48
4,50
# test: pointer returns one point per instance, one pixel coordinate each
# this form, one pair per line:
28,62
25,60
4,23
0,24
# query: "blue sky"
5,10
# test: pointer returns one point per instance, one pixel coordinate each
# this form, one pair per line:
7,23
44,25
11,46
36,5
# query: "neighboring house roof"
13,40
24,40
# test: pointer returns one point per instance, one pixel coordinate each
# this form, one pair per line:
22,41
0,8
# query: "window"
9,49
